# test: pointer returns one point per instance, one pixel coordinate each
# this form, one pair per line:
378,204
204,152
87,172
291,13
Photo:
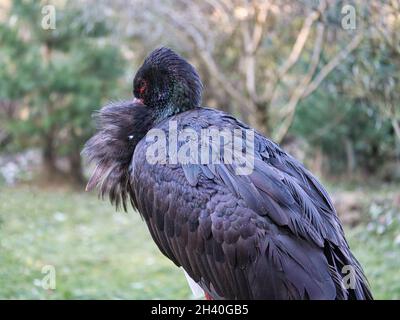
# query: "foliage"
259,58
59,77
350,132
54,79
384,220
381,248
304,70
354,116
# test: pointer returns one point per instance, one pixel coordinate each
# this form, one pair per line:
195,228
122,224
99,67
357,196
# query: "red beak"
137,101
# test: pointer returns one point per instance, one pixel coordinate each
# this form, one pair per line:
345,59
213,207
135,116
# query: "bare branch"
261,18
396,127
206,56
301,40
251,42
331,65
307,87
271,88
223,81
299,90
221,9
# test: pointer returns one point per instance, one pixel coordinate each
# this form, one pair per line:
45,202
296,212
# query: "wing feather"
273,234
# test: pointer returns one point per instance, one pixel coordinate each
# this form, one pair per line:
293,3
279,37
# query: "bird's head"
167,83
120,126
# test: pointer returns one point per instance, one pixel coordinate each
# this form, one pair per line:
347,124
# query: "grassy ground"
100,254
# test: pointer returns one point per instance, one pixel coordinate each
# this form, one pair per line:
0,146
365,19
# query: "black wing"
273,234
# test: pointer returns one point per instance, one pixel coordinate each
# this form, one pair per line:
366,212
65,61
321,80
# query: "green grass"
97,253
100,254
380,257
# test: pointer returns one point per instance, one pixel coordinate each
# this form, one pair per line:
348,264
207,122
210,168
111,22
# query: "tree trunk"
75,167
74,159
396,128
351,159
50,169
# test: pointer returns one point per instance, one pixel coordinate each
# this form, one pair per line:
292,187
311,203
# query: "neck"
165,112
168,111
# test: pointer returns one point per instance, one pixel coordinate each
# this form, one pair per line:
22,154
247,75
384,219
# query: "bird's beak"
137,101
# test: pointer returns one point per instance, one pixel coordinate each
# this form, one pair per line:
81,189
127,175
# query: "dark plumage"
272,234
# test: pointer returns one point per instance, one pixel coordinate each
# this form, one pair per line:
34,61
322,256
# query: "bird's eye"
142,87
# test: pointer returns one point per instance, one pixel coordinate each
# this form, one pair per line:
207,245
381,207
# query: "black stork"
270,234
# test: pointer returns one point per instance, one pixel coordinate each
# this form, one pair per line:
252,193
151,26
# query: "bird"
271,233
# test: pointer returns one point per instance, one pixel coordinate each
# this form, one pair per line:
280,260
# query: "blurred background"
319,77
